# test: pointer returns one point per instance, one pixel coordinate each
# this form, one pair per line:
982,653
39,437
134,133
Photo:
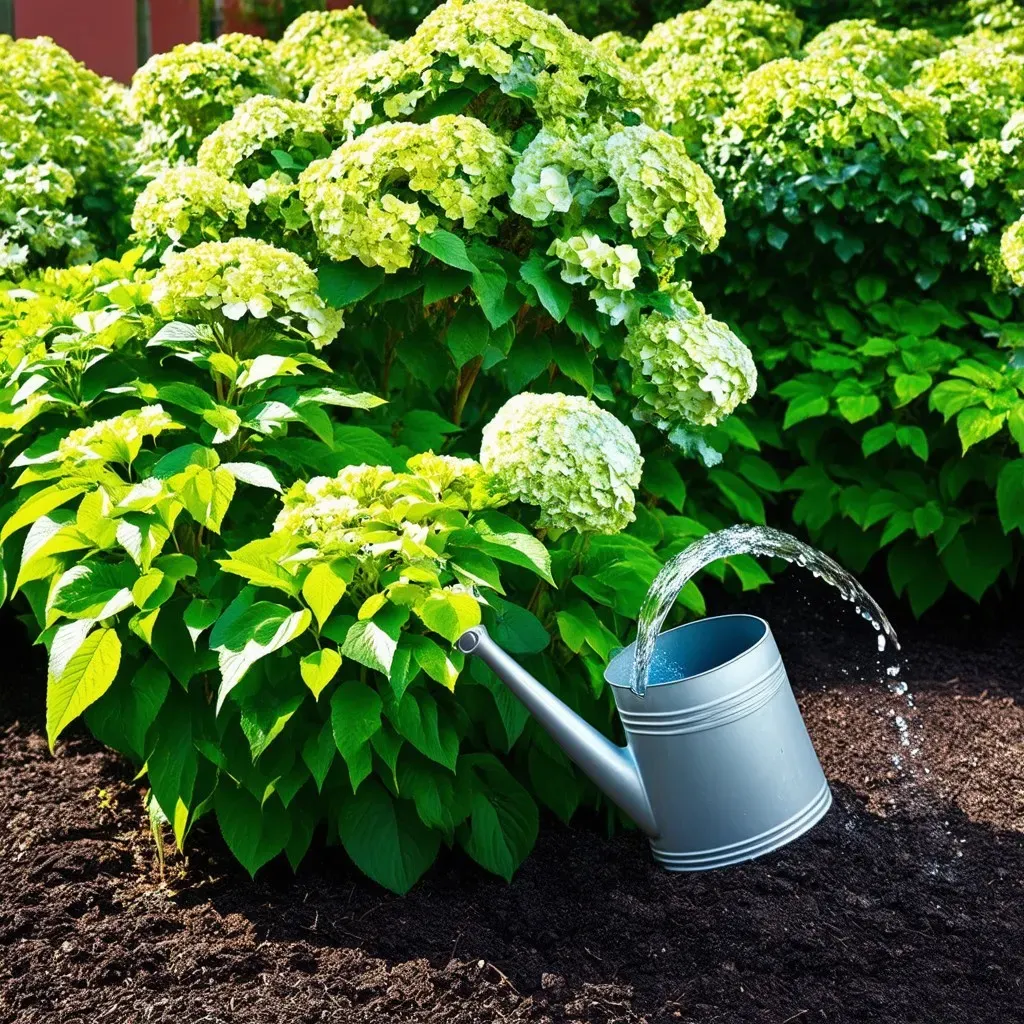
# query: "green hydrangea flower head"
571,459
258,126
878,52
456,166
117,439
254,50
527,54
977,87
1011,250
617,45
995,15
736,35
662,192
690,93
77,111
189,202
806,116
318,42
181,96
244,277
689,368
587,259
329,513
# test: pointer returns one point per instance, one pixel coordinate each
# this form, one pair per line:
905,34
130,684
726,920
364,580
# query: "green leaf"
663,480
511,710
498,301
259,563
94,590
877,438
372,645
574,361
448,248
318,752
739,494
468,335
342,284
475,568
804,407
909,385
319,668
449,613
870,289
355,717
39,504
254,833
437,663
122,716
207,495
386,838
554,294
324,587
81,669
260,630
1010,496
171,761
854,408
441,801
927,519
976,557
264,716
430,728
504,539
200,615
503,822
976,425
516,629
253,473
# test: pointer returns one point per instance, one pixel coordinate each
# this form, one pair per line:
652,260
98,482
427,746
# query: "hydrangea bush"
461,337
371,376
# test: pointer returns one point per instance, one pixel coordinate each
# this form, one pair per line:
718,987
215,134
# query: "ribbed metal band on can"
710,715
748,849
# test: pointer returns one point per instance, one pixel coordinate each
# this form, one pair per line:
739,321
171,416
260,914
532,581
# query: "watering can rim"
630,650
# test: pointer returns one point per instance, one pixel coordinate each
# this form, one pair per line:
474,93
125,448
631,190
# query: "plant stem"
467,378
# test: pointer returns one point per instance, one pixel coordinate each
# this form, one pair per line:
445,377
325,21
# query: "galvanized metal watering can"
718,767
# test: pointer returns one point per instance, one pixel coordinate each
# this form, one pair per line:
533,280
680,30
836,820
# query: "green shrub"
226,512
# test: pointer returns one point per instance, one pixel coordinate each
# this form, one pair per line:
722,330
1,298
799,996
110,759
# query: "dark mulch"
905,904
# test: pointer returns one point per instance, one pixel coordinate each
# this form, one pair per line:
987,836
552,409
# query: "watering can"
717,767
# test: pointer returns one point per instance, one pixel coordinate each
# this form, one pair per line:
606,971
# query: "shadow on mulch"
903,905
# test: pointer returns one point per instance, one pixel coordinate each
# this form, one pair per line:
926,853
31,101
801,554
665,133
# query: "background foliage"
332,256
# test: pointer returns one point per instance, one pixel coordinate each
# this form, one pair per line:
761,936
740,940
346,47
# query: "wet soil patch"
905,904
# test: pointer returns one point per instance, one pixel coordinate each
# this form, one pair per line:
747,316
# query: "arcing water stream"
760,540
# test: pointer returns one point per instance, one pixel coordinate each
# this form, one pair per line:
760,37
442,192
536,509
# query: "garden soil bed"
905,904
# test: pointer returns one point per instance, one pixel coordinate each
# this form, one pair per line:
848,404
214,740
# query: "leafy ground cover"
914,916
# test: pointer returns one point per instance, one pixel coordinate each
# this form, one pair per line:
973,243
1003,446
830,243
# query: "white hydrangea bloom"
575,462
183,197
262,122
1012,252
117,439
240,277
586,258
540,181
692,368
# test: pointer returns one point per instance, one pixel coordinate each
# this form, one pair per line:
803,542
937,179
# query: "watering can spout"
612,768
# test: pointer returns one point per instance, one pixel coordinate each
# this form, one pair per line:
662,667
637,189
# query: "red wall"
233,22
172,22
100,33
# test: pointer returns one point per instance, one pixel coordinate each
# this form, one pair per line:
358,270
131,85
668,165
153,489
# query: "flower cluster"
329,513
586,258
660,192
254,50
736,35
617,45
240,277
191,204
878,52
692,368
801,117
317,42
117,439
527,53
563,454
179,97
1012,252
241,148
977,87
452,165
